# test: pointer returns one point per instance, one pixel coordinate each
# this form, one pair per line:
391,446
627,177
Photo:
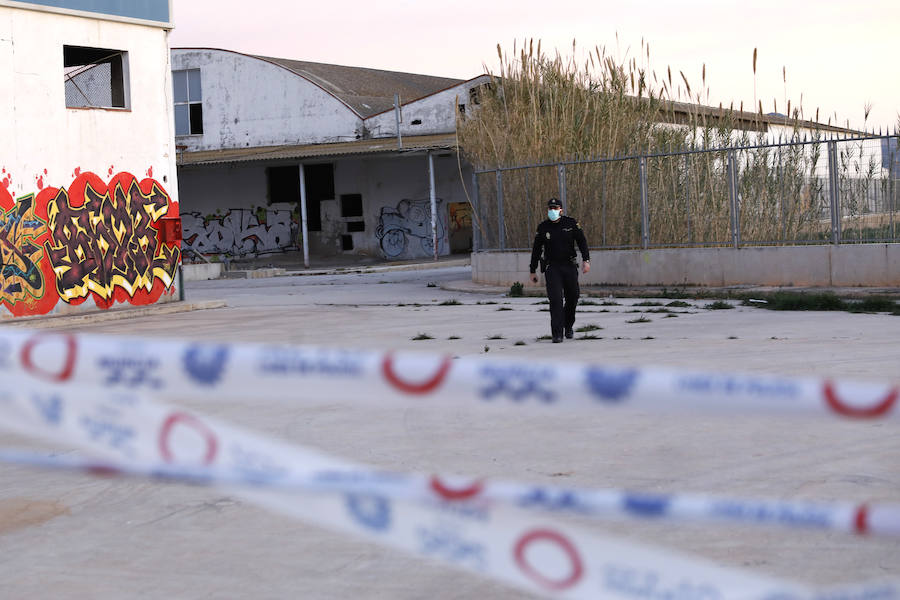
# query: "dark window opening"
319,180
462,109
188,102
346,242
417,121
95,77
355,226
351,205
283,184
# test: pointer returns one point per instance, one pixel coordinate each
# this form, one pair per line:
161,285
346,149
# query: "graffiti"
106,243
410,219
95,240
238,232
20,256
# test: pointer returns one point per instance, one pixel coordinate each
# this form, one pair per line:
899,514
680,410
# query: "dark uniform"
554,247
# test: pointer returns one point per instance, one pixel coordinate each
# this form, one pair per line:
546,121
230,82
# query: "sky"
835,56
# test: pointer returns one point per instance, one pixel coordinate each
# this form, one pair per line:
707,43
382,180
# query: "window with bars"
95,77
188,102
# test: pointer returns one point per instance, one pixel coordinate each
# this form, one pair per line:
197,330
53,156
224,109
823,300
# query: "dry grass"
542,110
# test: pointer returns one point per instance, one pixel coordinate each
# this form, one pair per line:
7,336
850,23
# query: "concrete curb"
537,290
380,269
51,321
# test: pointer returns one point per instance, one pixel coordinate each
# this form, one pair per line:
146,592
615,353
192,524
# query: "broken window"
95,77
188,102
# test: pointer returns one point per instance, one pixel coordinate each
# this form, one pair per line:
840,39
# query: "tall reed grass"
544,110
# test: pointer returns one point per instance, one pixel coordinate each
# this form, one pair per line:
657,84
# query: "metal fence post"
645,212
687,195
501,225
476,228
603,204
561,184
834,193
734,200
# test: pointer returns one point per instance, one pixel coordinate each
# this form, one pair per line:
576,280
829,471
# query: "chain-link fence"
812,192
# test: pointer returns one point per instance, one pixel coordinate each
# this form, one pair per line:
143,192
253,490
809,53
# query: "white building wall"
435,113
47,144
250,102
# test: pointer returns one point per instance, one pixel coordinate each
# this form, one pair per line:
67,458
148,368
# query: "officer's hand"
534,278
586,267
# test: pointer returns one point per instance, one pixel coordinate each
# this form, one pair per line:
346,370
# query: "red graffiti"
424,387
95,240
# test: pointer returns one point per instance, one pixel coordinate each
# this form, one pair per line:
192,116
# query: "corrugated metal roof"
357,147
367,91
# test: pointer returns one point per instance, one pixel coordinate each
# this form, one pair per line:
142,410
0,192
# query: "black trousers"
562,291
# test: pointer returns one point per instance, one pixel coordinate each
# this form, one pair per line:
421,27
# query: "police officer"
554,247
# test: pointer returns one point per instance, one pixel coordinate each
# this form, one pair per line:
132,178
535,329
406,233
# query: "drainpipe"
303,230
431,193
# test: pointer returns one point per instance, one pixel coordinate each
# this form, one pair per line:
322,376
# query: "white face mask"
553,214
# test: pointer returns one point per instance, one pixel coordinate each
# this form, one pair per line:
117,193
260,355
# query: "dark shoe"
569,333
557,339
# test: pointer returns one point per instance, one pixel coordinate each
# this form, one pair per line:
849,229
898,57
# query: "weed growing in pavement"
541,302
542,338
649,337
496,336
422,336
670,315
590,327
658,310
679,304
588,303
431,284
516,289
488,302
504,308
719,305
610,303
589,336
874,304
648,303
454,337
451,302
520,343
487,348
732,337
641,319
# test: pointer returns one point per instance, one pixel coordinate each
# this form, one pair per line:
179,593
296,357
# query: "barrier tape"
203,370
110,414
862,519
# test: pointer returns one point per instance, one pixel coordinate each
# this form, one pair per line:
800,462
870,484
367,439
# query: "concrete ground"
77,537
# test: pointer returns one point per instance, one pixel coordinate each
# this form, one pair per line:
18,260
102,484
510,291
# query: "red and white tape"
478,527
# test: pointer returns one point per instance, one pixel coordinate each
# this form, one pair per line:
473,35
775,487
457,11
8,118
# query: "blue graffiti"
611,385
206,364
50,408
646,505
517,382
373,512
